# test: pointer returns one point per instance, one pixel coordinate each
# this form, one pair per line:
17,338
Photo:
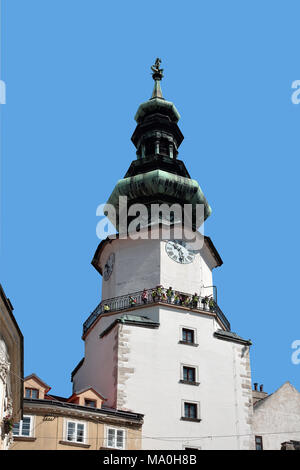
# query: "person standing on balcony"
144,296
170,294
159,292
154,295
195,300
176,299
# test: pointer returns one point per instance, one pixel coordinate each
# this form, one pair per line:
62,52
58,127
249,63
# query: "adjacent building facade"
80,422
276,420
11,371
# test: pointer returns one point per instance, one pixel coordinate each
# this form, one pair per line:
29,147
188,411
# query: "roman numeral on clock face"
177,250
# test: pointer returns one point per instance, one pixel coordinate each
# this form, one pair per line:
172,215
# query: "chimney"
261,388
255,386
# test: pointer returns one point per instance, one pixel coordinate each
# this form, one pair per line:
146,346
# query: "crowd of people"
161,294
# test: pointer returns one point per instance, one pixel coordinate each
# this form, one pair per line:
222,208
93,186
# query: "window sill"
24,438
188,343
111,448
189,382
74,444
195,420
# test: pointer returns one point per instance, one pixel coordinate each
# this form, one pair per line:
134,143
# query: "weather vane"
157,72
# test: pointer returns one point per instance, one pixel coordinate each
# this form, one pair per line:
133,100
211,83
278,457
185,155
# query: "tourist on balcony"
159,292
195,300
211,304
176,299
205,301
106,308
170,295
144,296
187,301
154,295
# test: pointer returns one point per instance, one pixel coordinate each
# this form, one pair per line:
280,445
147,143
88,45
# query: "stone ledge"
24,438
195,420
74,444
188,382
188,343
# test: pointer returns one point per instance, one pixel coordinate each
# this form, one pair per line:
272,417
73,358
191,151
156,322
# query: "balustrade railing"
136,299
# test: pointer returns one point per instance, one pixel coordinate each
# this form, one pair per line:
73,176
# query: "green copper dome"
157,176
157,105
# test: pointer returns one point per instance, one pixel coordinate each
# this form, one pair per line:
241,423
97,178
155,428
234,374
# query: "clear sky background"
76,72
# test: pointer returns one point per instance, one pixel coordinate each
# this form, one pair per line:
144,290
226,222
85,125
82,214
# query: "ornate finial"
157,72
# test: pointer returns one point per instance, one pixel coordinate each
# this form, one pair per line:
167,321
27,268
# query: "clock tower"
158,343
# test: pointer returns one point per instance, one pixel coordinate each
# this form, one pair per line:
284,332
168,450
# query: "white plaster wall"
186,277
277,418
99,366
143,264
148,363
100,357
137,265
154,388
154,357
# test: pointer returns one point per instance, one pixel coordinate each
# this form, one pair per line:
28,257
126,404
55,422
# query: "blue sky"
75,72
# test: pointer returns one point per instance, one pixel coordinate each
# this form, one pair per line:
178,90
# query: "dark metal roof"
231,336
97,411
213,250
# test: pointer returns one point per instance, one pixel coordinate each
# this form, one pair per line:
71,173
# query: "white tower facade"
158,344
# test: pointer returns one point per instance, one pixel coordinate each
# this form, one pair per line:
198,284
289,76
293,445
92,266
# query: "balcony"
154,296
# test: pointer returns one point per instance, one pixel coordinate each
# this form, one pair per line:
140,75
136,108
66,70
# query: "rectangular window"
31,393
188,336
91,403
258,443
190,410
75,431
24,427
189,374
115,438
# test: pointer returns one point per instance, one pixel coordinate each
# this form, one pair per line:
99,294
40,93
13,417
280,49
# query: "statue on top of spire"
157,72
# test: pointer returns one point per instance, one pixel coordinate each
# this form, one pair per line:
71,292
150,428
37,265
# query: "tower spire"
157,75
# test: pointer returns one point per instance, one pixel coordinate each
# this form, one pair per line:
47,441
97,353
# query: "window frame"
31,389
90,400
190,373
76,422
116,429
20,423
189,382
181,332
198,411
261,443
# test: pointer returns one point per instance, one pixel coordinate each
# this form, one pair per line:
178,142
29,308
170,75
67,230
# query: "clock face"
178,251
109,266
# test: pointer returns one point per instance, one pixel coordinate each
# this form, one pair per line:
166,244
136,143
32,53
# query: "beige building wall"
49,433
34,384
